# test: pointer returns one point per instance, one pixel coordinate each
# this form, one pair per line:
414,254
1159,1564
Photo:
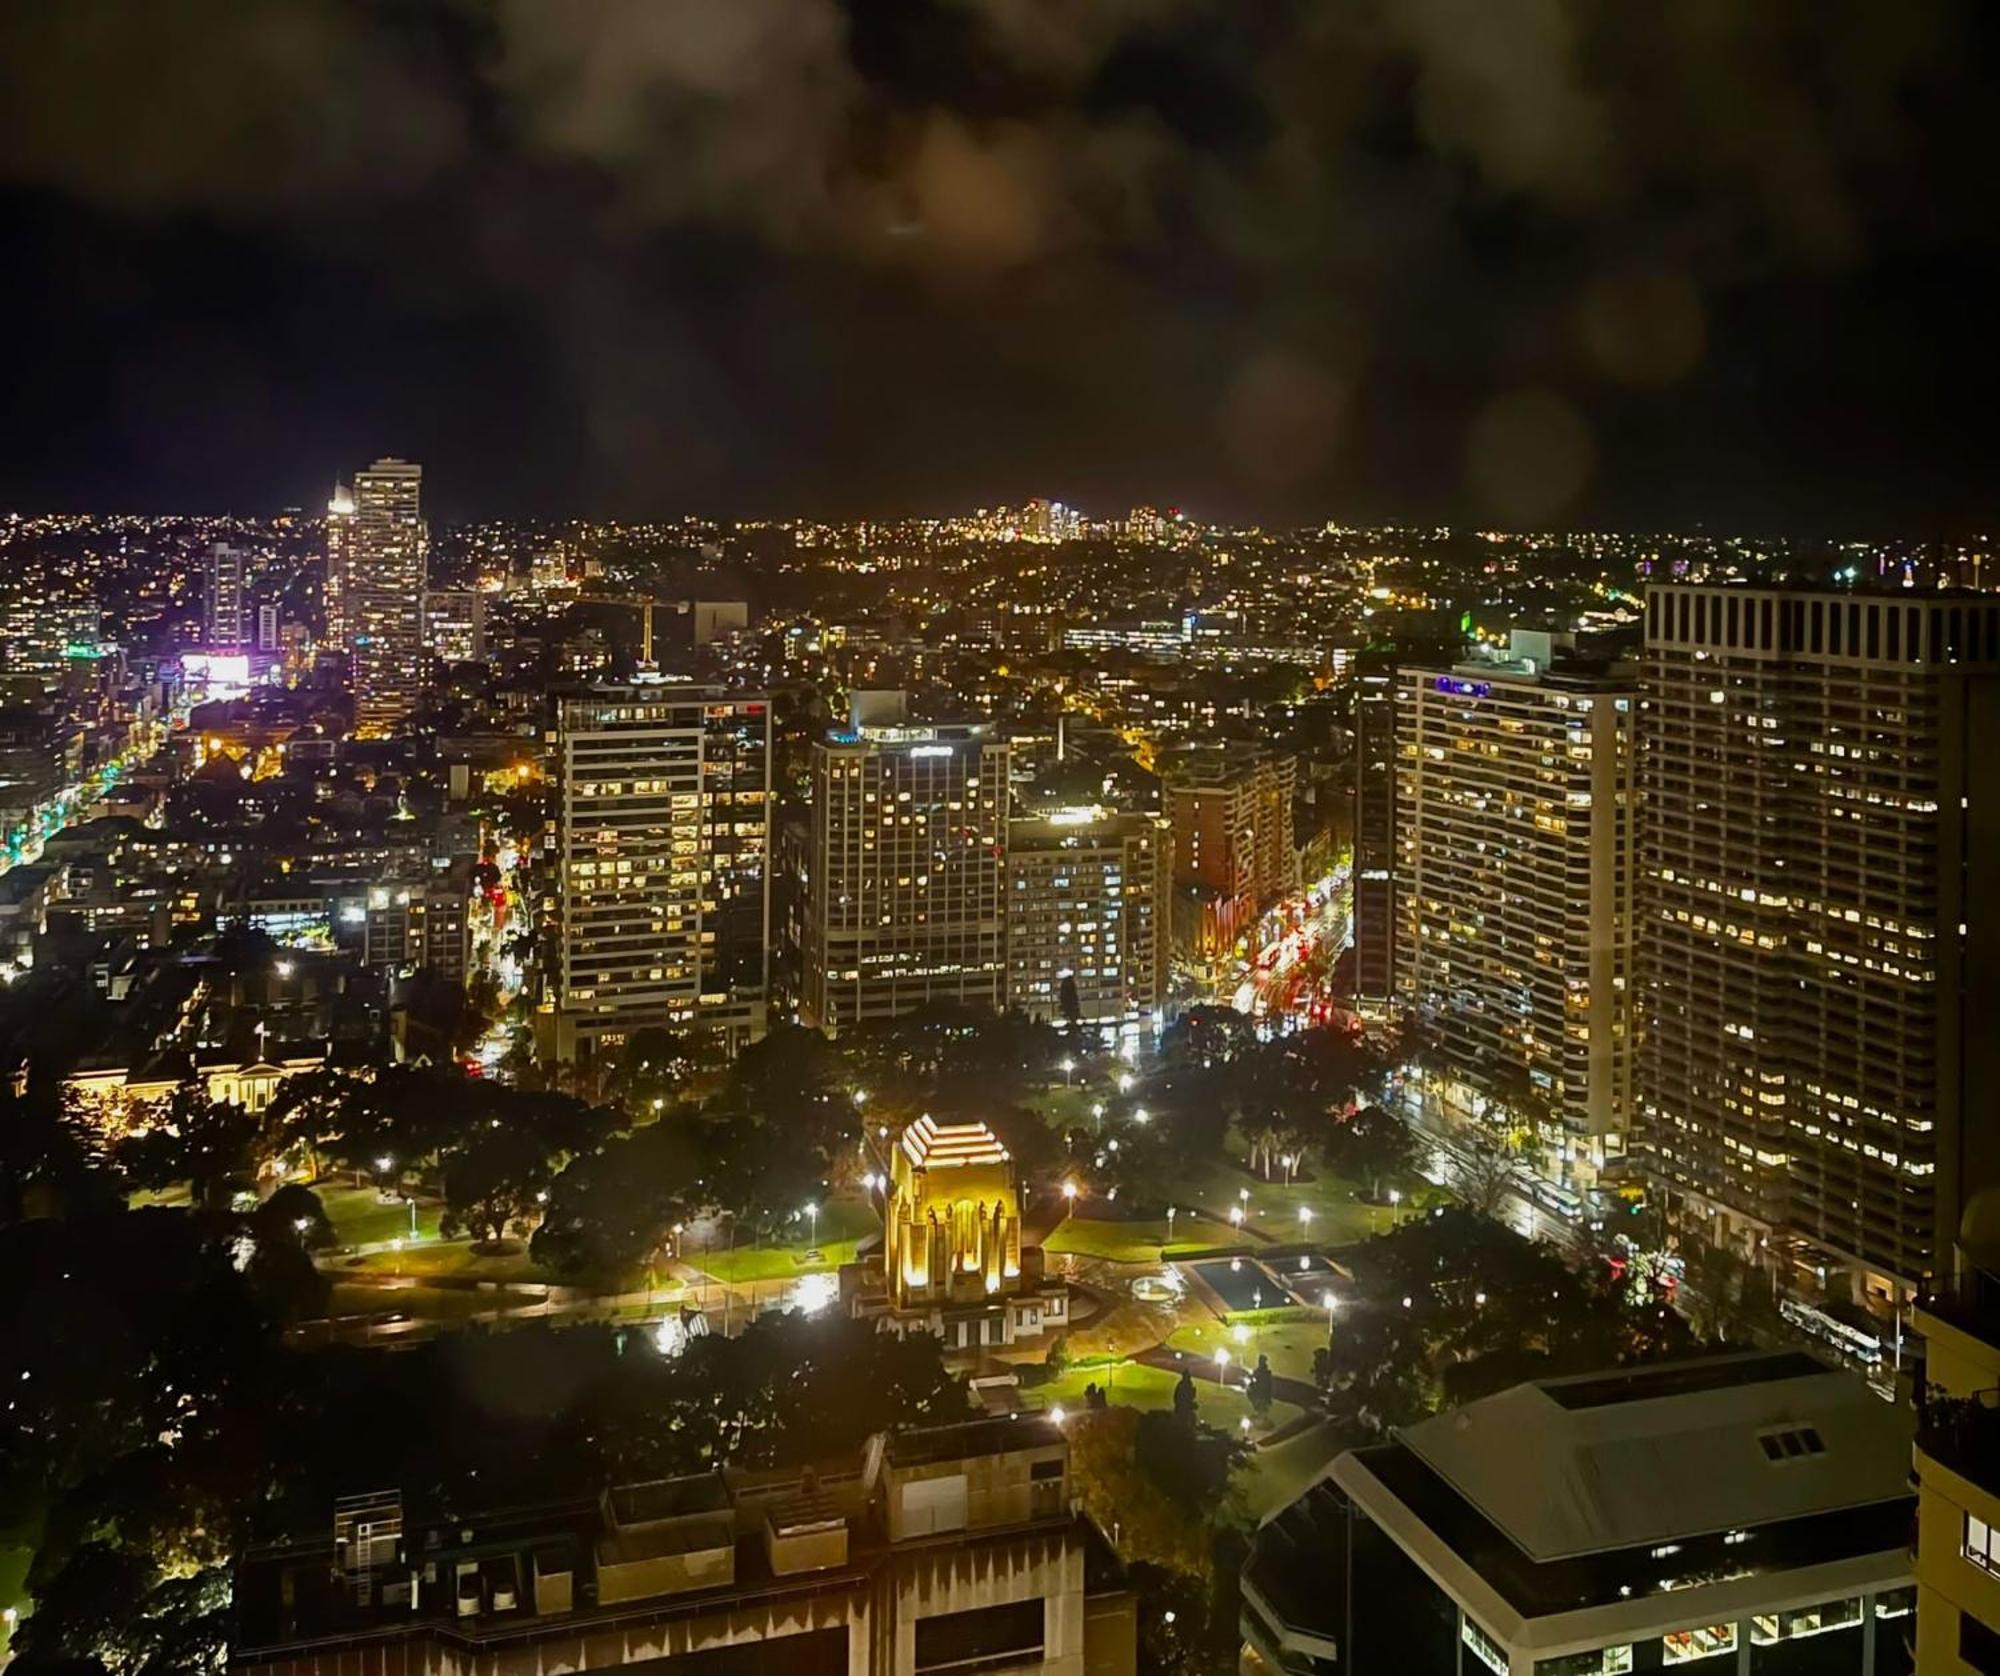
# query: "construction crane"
645,610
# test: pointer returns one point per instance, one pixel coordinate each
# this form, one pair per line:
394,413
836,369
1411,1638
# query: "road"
1289,979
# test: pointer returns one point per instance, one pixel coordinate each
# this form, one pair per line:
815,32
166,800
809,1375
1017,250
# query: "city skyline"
1120,838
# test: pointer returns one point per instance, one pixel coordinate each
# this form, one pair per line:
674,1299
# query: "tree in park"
1482,1177
782,1130
1147,1522
1373,1144
309,1110
495,1182
611,1209
207,1144
50,1162
295,1212
1260,1387
648,1075
1071,1003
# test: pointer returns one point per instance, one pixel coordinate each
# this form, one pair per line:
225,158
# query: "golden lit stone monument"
952,1262
953,1222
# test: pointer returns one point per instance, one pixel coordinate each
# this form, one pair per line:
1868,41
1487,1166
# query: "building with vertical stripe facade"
385,548
906,872
1089,902
1820,791
1513,829
661,898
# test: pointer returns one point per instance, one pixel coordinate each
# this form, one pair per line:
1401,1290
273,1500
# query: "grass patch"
1338,1212
1139,1386
1289,1343
843,1224
359,1218
442,1259
1143,1240
767,1262
1278,1476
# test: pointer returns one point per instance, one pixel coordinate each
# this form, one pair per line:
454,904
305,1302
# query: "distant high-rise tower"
268,627
339,558
225,608
662,894
1374,837
384,595
1819,954
906,872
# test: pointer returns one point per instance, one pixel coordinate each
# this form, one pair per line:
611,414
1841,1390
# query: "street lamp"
283,968
1170,1224
1328,1300
1236,1216
1395,1201
1222,1364
1068,1071
812,1219
1141,1116
1305,1218
1124,1082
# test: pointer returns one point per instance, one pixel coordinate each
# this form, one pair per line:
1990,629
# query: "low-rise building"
946,1551
1748,1512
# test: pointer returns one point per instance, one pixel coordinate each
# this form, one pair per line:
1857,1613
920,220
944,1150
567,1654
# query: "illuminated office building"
384,592
906,872
1374,838
455,625
661,905
1089,905
336,588
1817,956
225,615
1514,887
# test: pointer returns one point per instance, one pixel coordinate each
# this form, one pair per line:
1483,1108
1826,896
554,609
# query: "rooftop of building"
1645,1455
931,1145
1077,825
1569,1493
975,1438
295,1594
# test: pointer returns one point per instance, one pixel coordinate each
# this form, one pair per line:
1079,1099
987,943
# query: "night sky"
1731,263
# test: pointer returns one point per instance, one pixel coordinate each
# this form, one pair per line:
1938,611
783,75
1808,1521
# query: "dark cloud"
1510,258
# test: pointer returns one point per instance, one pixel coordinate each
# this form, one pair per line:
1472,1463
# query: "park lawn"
14,1562
1339,1214
1276,1477
1140,1241
1139,1386
444,1258
843,1224
1063,1107
770,1262
1289,1343
20,1535
359,1218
